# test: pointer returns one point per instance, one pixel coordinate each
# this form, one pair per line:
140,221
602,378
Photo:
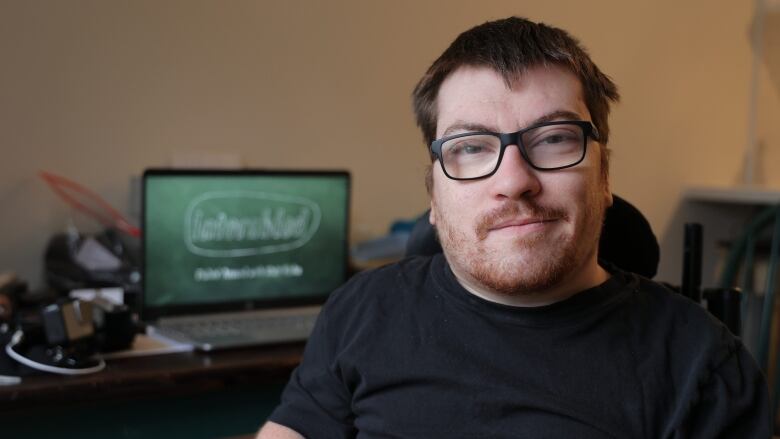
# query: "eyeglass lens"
546,147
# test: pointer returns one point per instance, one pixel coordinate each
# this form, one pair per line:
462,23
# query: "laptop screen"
229,240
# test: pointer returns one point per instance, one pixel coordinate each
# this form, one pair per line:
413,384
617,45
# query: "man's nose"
515,178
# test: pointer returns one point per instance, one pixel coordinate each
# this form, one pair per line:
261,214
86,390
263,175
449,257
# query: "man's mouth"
521,222
513,218
521,228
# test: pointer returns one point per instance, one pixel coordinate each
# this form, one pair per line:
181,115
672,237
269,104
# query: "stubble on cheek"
522,266
518,266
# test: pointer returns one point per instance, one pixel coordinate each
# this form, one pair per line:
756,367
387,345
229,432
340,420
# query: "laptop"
239,258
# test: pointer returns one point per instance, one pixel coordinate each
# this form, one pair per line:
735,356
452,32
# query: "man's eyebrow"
463,126
557,115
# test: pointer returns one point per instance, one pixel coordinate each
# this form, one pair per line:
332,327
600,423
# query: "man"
517,330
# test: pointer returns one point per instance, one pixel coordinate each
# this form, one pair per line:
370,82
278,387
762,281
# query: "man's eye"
558,138
555,139
469,149
472,149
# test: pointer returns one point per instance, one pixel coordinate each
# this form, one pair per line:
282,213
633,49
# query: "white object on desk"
150,344
112,295
9,380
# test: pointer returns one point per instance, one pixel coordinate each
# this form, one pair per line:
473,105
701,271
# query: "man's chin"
525,247
531,272
521,284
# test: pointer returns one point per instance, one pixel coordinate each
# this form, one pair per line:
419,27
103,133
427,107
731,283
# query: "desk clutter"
227,259
62,335
93,281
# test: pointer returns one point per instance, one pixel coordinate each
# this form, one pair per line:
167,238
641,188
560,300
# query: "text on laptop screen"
222,238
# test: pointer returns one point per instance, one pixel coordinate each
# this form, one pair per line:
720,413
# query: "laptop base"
240,329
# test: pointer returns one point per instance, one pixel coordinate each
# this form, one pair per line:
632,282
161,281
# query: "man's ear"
608,200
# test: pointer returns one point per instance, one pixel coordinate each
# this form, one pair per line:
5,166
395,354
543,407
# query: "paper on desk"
112,295
150,344
92,255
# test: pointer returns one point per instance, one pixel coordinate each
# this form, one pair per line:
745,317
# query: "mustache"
509,211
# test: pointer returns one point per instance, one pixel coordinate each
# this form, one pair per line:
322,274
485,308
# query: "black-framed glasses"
545,146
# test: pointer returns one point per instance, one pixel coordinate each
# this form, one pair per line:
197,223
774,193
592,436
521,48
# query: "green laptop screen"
240,237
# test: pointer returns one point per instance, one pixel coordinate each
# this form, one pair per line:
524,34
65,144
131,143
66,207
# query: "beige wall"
99,90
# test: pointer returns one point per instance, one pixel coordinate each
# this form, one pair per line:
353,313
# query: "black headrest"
627,240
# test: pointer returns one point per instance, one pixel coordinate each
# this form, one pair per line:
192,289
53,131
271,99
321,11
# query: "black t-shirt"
405,352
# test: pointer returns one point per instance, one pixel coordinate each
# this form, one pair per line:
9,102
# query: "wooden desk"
187,394
184,373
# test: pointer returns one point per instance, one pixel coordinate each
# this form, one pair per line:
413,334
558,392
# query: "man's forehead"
482,96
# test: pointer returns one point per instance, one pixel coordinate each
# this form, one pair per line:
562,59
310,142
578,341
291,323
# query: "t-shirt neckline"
582,306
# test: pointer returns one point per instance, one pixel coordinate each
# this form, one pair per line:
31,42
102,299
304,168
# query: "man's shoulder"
661,302
692,363
392,282
411,270
413,265
669,322
662,305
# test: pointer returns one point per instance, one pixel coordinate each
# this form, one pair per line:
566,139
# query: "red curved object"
70,191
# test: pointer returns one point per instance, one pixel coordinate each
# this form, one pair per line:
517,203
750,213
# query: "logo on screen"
244,223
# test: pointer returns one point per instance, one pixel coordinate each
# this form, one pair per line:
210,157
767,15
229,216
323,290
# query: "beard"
523,265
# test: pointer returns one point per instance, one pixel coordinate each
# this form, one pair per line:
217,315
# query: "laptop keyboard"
240,329
241,325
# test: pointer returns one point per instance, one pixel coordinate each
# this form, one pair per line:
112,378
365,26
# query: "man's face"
520,233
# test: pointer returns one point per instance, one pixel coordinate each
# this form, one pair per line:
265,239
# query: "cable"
17,338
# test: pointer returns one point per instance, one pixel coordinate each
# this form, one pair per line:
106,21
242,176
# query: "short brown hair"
511,46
